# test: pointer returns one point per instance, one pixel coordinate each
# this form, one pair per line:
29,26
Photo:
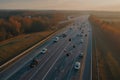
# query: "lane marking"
44,63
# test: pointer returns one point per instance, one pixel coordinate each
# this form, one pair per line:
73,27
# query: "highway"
59,60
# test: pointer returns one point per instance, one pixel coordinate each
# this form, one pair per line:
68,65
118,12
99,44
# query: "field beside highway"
14,46
106,47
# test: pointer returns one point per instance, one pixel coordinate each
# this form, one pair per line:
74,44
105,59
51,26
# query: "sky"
107,5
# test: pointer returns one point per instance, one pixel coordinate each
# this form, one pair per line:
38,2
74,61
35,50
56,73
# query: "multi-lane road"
59,60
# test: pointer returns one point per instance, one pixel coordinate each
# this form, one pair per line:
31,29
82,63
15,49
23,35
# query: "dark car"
85,35
34,63
69,53
70,39
74,46
64,35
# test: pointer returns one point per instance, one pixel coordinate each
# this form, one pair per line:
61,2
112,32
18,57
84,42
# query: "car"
70,39
34,63
81,40
82,32
64,35
65,50
81,54
44,50
77,65
68,54
56,39
85,35
74,46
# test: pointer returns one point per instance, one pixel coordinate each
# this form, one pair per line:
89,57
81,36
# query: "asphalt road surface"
59,60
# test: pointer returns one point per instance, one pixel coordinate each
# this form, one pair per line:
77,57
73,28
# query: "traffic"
63,57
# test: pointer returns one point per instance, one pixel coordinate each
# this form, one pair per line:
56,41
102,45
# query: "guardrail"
26,51
23,53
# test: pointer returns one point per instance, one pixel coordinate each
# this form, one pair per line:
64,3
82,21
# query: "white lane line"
44,56
81,46
4,78
37,52
26,51
74,60
37,44
54,63
42,65
40,68
16,70
71,70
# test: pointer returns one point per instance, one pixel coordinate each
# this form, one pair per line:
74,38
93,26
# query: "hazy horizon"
99,5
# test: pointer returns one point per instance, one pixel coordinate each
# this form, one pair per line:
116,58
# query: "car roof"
44,48
78,63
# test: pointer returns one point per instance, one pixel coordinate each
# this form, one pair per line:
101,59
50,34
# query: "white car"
81,40
77,65
81,54
44,50
56,39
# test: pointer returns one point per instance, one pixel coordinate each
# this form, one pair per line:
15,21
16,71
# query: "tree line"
16,25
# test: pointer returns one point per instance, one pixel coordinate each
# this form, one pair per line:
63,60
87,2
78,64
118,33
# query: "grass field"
106,48
14,46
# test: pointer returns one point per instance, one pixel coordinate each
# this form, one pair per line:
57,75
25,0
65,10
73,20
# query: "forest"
24,22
